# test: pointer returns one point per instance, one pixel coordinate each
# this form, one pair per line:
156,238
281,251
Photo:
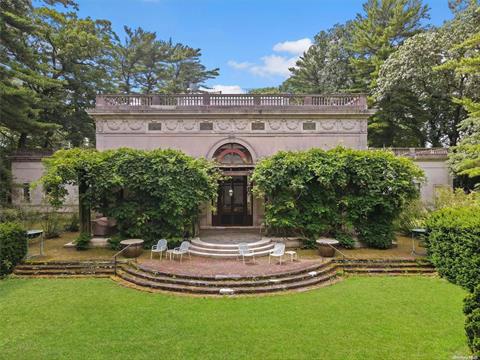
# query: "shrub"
472,323
83,241
413,216
454,244
11,215
114,241
51,223
314,193
448,197
13,246
151,194
72,224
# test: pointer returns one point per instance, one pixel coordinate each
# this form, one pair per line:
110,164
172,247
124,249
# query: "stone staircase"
65,268
311,274
147,279
386,266
218,250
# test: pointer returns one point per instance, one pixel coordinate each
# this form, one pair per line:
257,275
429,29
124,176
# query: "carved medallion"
241,124
292,124
349,124
224,125
328,125
114,125
135,125
189,125
275,124
171,124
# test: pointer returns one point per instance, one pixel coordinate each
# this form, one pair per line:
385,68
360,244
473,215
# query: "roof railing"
350,101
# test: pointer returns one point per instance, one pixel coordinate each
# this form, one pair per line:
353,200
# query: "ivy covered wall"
340,192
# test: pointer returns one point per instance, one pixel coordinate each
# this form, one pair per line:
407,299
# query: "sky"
253,42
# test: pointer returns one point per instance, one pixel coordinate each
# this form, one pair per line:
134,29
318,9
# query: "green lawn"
359,318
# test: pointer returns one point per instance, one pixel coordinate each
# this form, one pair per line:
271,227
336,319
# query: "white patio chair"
184,248
159,248
278,251
245,252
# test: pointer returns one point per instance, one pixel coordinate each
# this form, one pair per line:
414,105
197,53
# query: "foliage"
318,192
152,194
415,94
448,197
384,25
143,63
325,67
265,90
53,63
82,242
454,244
412,216
114,241
472,324
464,159
51,222
13,246
72,223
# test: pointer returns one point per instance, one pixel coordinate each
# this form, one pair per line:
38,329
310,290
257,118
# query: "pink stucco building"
237,131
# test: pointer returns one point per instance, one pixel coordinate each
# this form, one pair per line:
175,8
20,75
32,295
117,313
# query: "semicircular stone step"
221,283
143,283
233,251
219,245
317,266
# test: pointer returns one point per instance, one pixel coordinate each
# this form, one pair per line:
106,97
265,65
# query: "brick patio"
209,267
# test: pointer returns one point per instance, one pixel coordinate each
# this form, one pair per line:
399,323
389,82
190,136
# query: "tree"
377,33
19,72
143,63
464,159
128,56
415,96
266,90
53,63
325,67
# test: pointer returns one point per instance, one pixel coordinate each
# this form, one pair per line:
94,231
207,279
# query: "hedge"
340,192
454,244
13,246
472,323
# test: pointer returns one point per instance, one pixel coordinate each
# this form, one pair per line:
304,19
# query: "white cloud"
239,65
274,64
226,89
296,47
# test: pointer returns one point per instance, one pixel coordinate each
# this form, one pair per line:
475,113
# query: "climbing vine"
151,194
340,192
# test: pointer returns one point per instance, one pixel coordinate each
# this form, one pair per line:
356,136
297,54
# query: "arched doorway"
234,204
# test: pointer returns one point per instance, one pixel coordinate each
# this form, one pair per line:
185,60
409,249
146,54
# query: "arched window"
233,154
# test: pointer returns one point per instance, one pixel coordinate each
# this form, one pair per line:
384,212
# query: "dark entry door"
233,203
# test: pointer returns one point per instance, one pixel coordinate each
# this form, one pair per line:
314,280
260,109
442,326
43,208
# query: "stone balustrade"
349,102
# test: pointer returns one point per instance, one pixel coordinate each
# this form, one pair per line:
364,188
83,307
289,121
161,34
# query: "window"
154,126
206,126
26,192
232,154
258,126
309,126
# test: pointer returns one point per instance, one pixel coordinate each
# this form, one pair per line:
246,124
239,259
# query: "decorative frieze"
358,126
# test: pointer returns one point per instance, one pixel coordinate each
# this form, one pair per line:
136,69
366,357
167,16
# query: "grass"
359,318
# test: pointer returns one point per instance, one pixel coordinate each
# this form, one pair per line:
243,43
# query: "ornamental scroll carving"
232,125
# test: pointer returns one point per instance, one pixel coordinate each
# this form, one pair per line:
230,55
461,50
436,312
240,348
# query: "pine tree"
378,32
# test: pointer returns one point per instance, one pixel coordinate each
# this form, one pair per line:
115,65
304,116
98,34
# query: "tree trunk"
83,207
